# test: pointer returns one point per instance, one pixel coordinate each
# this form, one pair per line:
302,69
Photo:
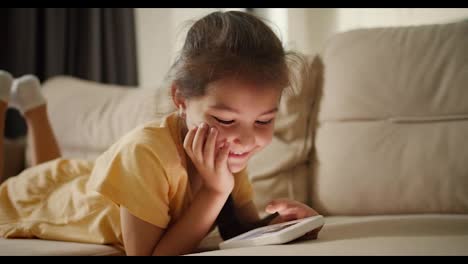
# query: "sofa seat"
39,247
430,234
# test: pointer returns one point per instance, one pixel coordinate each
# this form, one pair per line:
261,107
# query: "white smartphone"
275,234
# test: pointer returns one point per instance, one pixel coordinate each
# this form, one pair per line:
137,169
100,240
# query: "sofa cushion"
395,235
39,247
393,122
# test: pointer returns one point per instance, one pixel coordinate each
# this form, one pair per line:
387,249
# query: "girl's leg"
44,145
27,97
3,108
5,86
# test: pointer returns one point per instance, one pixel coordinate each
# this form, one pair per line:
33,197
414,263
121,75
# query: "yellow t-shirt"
76,200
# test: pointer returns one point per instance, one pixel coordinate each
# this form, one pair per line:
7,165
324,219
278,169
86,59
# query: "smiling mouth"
238,155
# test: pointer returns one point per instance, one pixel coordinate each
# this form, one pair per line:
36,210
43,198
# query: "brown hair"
229,44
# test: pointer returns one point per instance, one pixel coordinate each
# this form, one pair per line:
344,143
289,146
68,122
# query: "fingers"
209,149
221,159
296,213
200,145
277,205
290,207
188,141
198,142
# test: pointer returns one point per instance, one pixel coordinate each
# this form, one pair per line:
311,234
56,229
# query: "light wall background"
160,31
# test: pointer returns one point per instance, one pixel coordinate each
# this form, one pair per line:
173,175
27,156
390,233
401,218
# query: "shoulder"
151,142
146,156
150,137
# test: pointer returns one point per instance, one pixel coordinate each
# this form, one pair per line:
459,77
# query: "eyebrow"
227,108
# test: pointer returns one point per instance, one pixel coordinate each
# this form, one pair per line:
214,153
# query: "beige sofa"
374,138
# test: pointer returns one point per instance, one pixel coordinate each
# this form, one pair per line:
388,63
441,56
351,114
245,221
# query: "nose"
244,137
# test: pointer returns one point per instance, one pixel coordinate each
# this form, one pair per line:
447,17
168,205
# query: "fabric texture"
78,200
393,122
422,235
40,247
383,235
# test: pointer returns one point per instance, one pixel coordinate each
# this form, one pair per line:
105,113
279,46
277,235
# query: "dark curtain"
91,43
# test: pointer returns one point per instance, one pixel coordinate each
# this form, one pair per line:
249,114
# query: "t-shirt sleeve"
243,191
132,176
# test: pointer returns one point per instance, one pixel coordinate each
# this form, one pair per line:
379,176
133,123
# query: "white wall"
153,44
160,31
321,23
182,19
351,18
277,19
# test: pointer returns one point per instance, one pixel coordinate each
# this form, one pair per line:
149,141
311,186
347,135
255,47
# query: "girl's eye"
224,122
264,122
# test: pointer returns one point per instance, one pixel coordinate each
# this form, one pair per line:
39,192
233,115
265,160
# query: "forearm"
185,235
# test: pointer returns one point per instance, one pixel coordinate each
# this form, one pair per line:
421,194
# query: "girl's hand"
289,210
200,145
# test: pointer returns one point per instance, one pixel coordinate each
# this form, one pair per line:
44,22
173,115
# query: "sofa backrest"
393,122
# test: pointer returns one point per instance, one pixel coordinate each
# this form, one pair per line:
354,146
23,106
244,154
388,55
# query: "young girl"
162,187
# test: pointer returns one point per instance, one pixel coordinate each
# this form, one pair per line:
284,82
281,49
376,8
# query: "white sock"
5,85
26,93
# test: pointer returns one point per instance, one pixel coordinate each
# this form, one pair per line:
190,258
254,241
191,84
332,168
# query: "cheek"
192,121
264,137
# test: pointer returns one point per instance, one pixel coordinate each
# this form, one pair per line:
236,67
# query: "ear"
177,98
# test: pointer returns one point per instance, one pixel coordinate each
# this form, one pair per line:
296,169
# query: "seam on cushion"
423,119
403,119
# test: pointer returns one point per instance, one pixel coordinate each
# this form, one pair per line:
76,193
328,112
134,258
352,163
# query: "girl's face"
243,114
